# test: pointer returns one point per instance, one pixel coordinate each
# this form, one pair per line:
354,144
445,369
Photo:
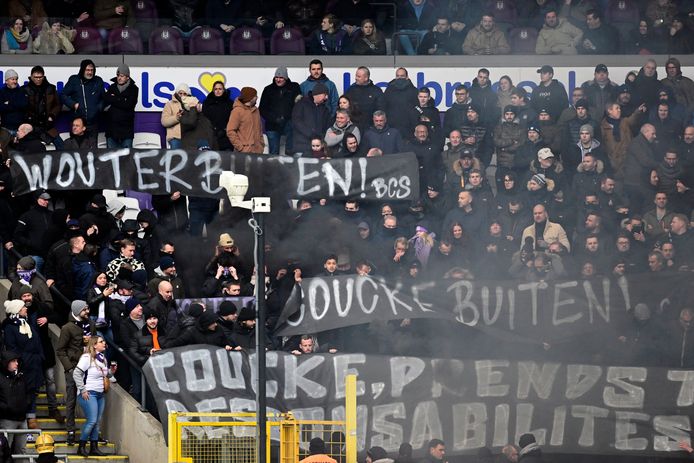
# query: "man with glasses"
276,105
681,86
457,114
120,100
44,106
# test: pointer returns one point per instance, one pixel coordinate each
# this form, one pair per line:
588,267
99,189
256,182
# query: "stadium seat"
146,17
146,140
287,41
246,41
166,40
523,40
623,15
124,40
205,40
504,13
88,41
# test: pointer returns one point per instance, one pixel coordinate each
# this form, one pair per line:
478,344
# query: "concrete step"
42,410
42,399
64,449
61,435
51,424
106,459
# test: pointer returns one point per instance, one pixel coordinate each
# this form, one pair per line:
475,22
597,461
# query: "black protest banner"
571,408
538,310
389,177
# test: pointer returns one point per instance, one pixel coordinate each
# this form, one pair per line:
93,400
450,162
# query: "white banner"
158,84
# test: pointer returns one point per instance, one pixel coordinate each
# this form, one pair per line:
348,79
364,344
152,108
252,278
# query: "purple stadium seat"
287,41
166,40
205,40
124,40
146,17
504,12
144,199
246,41
523,40
88,41
622,11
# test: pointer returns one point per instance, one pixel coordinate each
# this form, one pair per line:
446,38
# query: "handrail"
395,11
51,288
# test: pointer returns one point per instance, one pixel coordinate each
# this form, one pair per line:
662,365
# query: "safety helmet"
45,444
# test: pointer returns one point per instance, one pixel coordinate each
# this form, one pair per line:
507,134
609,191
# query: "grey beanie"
76,307
281,71
11,74
123,69
587,128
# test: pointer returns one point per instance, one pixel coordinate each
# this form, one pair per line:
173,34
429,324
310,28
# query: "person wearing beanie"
14,403
276,105
205,331
149,340
508,137
317,452
227,314
527,151
166,271
84,95
529,452
21,336
13,102
120,99
74,335
244,129
182,104
244,328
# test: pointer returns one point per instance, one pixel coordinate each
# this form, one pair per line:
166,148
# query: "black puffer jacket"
142,343
120,117
31,226
217,109
277,103
13,395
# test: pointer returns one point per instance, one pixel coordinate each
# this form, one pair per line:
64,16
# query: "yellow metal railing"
231,437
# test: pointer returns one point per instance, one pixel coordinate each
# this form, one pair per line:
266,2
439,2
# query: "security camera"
236,186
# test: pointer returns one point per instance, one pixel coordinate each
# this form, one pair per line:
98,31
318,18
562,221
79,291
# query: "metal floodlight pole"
260,338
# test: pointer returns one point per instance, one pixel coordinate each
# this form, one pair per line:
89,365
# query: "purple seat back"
88,41
145,11
124,40
246,41
504,10
287,41
205,40
166,40
623,11
523,40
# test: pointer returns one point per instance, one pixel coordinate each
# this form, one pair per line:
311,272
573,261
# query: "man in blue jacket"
84,95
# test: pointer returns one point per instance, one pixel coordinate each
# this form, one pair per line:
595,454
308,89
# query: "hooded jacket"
244,129
399,97
120,113
88,93
13,390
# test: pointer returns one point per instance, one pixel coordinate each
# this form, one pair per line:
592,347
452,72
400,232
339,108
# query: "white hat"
545,153
13,307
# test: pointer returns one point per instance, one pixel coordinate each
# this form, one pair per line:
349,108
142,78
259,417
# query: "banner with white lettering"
571,408
548,311
389,177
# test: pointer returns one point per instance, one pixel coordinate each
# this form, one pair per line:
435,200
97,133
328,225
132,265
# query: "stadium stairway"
59,434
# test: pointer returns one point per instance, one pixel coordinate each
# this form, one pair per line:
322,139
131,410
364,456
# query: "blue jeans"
113,143
406,42
202,211
58,143
93,409
273,139
39,263
175,144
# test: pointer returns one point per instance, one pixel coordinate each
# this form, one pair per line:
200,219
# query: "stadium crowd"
425,27
520,186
